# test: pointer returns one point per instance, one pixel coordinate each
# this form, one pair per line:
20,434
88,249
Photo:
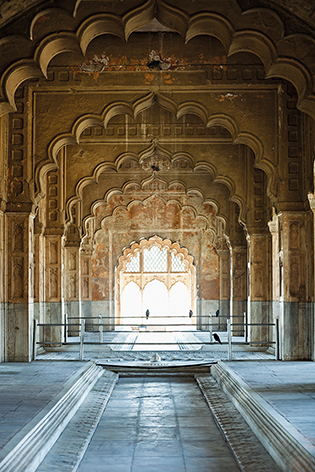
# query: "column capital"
222,246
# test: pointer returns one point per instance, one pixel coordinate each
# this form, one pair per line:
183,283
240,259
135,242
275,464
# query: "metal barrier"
80,326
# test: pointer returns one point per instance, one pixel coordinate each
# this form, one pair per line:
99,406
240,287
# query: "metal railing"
68,330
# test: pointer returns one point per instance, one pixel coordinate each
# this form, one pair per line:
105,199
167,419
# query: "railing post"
229,328
277,338
82,339
101,327
246,326
65,329
35,339
210,327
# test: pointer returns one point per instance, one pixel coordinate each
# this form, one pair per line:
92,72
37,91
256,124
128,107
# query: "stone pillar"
311,198
259,299
72,287
277,276
295,285
54,310
2,299
19,309
225,285
239,285
39,265
86,291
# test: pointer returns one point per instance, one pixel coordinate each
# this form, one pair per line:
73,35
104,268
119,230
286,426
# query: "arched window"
164,275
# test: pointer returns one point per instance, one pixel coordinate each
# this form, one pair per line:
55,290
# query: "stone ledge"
26,450
68,451
244,444
289,448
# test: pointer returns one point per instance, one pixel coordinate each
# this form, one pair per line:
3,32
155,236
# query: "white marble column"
294,266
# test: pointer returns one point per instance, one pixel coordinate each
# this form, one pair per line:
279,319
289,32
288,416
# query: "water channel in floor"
157,424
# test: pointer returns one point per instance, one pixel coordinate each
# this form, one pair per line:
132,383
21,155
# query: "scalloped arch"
90,219
256,43
143,203
172,17
150,242
54,14
16,75
126,156
98,25
53,45
211,24
253,142
294,72
259,41
138,17
226,122
96,120
192,108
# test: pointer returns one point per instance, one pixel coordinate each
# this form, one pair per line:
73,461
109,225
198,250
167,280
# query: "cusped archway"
158,278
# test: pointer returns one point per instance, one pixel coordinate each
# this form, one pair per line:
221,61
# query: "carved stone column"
295,290
2,274
19,309
277,275
54,297
39,265
311,198
86,252
225,284
86,291
72,288
259,300
239,288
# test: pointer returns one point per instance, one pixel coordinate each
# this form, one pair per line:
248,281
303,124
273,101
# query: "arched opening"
155,299
156,284
131,302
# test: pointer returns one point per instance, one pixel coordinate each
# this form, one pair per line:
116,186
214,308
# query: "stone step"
26,450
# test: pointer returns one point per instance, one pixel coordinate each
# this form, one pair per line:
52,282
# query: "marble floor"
163,416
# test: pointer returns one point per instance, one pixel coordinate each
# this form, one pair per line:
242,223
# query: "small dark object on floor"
217,313
217,338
